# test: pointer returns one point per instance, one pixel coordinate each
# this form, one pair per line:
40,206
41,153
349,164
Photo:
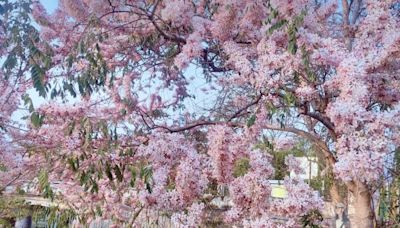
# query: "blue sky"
50,5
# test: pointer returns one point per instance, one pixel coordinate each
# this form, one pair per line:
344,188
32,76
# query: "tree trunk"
360,210
335,194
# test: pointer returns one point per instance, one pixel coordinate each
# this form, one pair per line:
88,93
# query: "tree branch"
237,113
165,35
210,64
324,120
209,122
328,155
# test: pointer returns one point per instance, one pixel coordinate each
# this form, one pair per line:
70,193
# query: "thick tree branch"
327,153
346,23
324,120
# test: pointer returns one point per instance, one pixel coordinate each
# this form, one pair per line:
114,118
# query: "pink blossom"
285,143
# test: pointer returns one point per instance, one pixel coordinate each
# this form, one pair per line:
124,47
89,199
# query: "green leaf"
129,152
28,102
277,26
98,211
70,88
251,120
146,173
10,62
171,51
241,167
36,119
289,98
307,65
95,186
292,47
44,184
133,177
37,74
84,177
34,51
71,164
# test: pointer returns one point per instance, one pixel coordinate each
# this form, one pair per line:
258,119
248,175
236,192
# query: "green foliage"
272,16
86,129
12,207
88,181
317,183
15,207
54,216
146,173
278,157
277,26
22,41
23,52
139,170
241,167
271,109
28,102
281,120
3,168
291,26
89,131
94,76
305,57
133,171
289,98
10,62
70,88
278,162
251,120
37,119
38,74
292,32
44,184
171,52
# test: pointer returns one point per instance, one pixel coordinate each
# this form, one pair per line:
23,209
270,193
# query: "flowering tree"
120,71
18,54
